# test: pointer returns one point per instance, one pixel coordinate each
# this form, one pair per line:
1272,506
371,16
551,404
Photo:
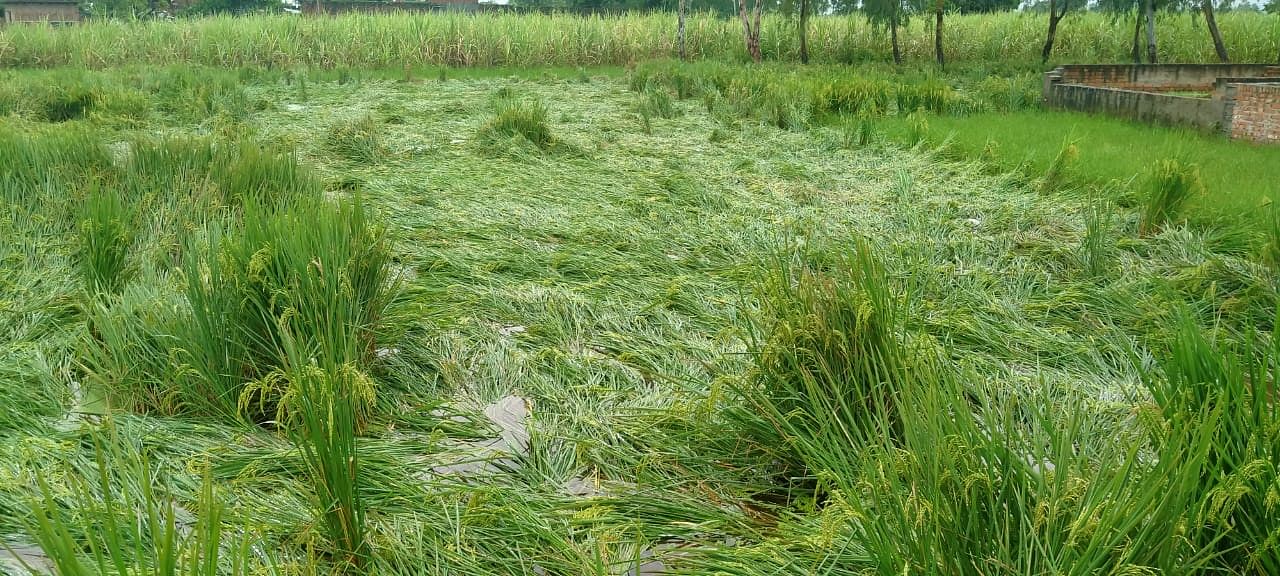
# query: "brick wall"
1159,77
1255,112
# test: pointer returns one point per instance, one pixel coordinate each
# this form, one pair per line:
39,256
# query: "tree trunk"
1054,18
1137,33
937,35
804,31
680,28
755,34
1218,45
751,36
893,34
1150,9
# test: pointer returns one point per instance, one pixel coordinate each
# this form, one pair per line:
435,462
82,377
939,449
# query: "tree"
804,31
801,10
1137,34
888,14
1149,13
939,7
1206,6
1141,10
680,28
751,28
1057,11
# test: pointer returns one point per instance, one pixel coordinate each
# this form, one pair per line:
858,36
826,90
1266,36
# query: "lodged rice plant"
121,520
924,468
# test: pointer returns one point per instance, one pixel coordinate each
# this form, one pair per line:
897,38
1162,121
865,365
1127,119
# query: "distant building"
56,12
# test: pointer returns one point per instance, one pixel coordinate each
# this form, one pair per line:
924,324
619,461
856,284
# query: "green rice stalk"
106,233
1168,188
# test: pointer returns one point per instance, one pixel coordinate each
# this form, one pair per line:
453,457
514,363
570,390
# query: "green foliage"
1009,94
928,95
30,388
966,400
1271,242
886,13
859,132
917,127
327,415
127,96
197,94
997,484
1168,188
983,6
517,118
204,7
128,353
240,173
783,112
936,474
67,103
1027,143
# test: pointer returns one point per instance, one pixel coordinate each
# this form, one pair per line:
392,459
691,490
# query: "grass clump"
1097,246
1224,394
860,132
313,273
1168,189
105,235
979,483
266,175
929,95
1271,237
917,127
830,359
68,103
358,140
656,102
1057,174
326,420
518,118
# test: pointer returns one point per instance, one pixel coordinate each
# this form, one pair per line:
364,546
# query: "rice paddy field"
672,318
